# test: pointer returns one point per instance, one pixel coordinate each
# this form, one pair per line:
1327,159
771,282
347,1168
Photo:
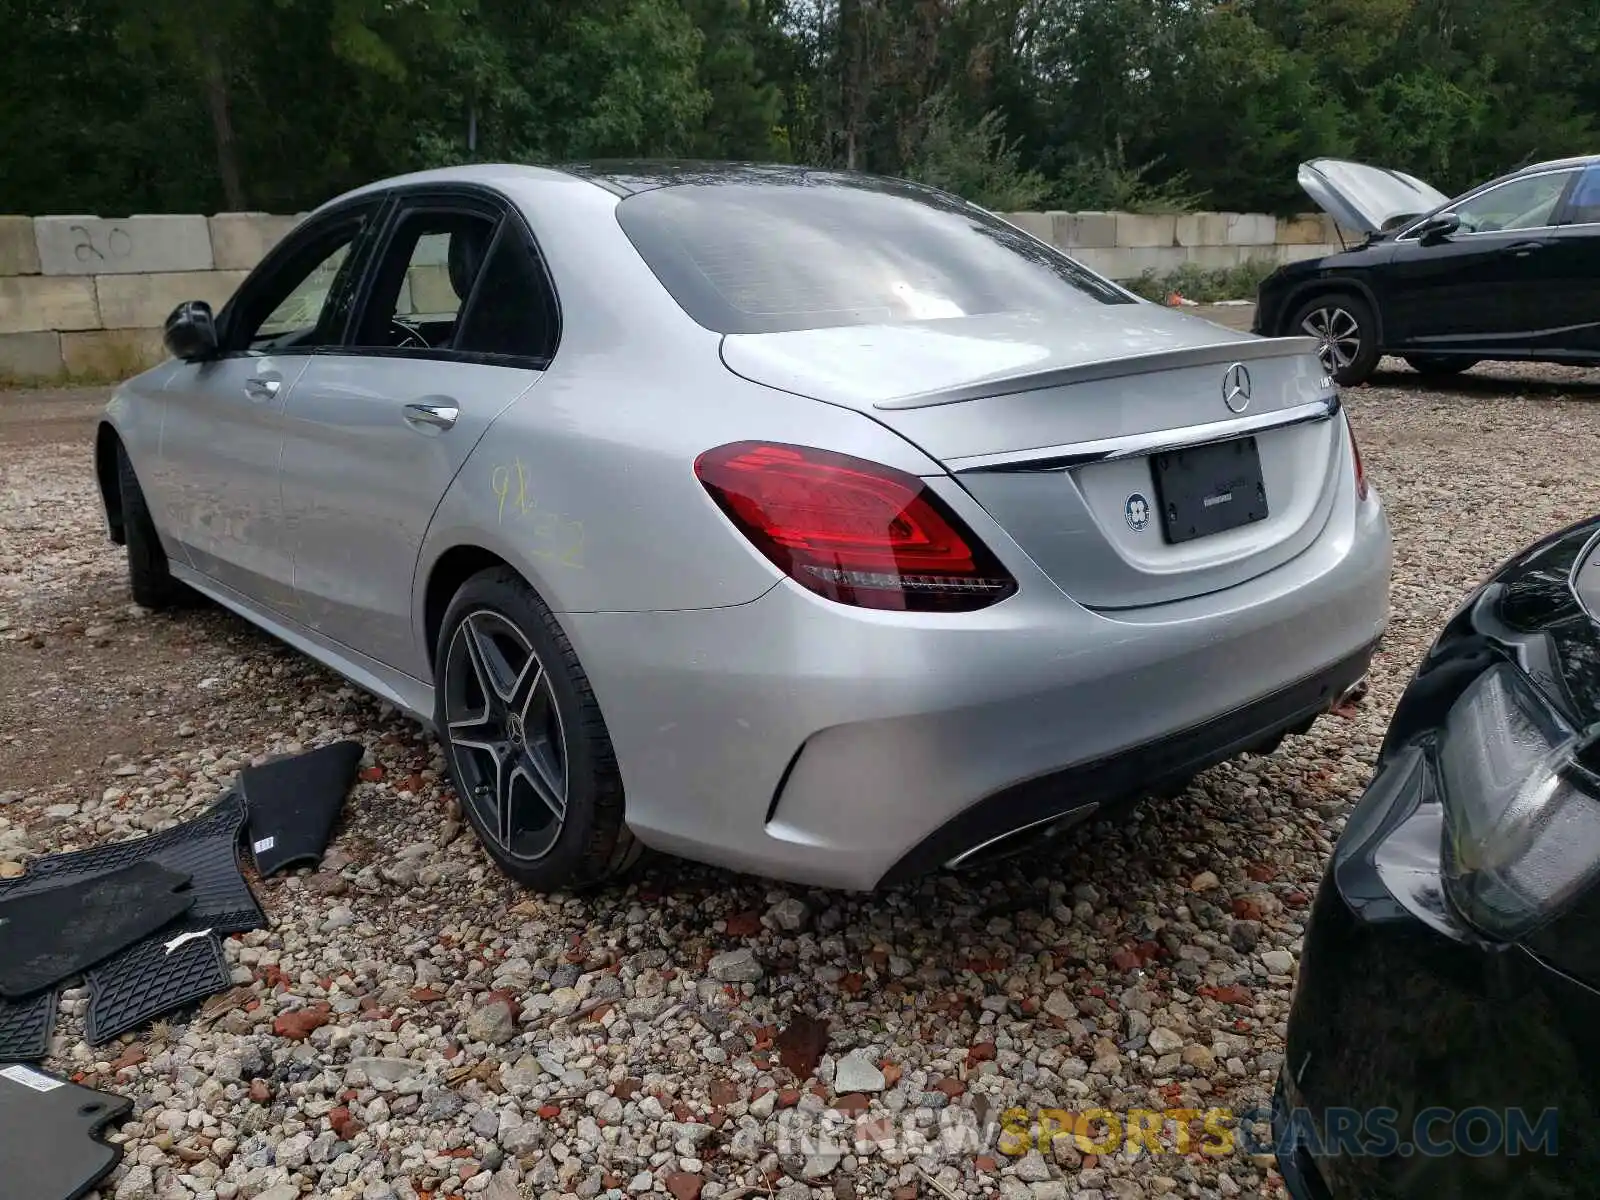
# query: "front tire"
1438,366
1346,333
149,577
524,739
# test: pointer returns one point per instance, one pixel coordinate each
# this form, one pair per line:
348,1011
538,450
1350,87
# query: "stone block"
1136,232
26,356
241,240
1127,263
1252,229
1300,231
1096,258
19,253
1202,229
1036,223
1215,257
1097,230
431,293
145,301
111,353
125,246
37,302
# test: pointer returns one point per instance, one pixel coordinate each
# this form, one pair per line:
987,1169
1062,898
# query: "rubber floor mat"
25,1027
180,965
206,849
294,803
50,1146
49,936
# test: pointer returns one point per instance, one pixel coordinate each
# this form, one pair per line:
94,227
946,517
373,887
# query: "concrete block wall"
1125,246
86,296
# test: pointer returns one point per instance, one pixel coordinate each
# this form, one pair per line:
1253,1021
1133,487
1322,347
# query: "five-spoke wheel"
505,734
526,745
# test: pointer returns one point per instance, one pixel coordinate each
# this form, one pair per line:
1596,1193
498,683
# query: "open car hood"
1366,199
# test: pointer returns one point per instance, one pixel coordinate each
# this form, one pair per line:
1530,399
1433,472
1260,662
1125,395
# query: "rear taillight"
1361,470
854,531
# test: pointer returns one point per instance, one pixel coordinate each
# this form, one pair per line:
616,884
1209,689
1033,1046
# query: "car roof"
624,177
1582,160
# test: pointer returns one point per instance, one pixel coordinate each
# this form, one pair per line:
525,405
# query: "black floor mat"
178,966
294,803
50,1147
25,1027
206,849
49,936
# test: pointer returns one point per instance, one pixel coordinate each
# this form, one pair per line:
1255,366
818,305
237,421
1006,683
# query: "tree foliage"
148,105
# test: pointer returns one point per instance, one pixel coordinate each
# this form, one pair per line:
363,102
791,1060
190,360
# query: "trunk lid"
1058,429
1367,199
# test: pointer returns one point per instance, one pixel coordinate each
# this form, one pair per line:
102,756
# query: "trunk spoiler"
1245,350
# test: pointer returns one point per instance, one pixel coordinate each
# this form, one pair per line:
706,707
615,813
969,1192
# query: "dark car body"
1509,270
1458,1062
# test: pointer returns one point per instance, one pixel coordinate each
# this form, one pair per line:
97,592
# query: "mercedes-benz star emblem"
1236,388
514,729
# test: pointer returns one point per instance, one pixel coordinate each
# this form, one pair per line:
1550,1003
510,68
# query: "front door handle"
261,388
1524,249
431,418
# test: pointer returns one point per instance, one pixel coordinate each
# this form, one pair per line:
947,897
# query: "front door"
1484,288
217,472
457,322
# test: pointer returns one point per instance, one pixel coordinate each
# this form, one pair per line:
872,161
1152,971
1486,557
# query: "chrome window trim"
1137,445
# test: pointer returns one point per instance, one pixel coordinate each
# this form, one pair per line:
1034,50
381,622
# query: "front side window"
300,303
809,251
1519,204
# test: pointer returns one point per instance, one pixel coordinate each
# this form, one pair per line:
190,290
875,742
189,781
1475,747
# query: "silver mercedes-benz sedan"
813,524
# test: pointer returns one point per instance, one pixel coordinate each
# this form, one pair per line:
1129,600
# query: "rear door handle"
1524,249
431,418
261,388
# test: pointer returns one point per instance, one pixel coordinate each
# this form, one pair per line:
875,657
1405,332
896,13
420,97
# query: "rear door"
1577,289
217,475
456,319
1487,287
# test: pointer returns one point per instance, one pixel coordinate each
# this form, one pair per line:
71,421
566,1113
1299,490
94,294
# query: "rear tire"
1347,333
1439,366
149,577
524,739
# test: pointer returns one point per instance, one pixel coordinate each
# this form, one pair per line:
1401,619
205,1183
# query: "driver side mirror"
191,332
1438,228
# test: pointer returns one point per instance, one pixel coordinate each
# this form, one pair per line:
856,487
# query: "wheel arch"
446,576
107,441
1331,286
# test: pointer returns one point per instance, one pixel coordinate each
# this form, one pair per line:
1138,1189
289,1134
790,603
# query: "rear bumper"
802,740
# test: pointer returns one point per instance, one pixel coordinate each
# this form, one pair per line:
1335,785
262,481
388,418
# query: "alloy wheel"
505,735
1338,336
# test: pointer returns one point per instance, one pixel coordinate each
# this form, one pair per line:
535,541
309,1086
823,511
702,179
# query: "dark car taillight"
854,531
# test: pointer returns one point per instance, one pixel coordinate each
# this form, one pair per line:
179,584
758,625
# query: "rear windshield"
764,257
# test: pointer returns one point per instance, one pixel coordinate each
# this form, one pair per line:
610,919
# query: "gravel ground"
410,1025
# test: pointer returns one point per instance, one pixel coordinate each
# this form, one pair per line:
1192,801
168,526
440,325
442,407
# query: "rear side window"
820,251
512,310
1584,206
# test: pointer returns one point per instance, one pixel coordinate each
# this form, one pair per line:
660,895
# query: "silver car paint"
711,669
